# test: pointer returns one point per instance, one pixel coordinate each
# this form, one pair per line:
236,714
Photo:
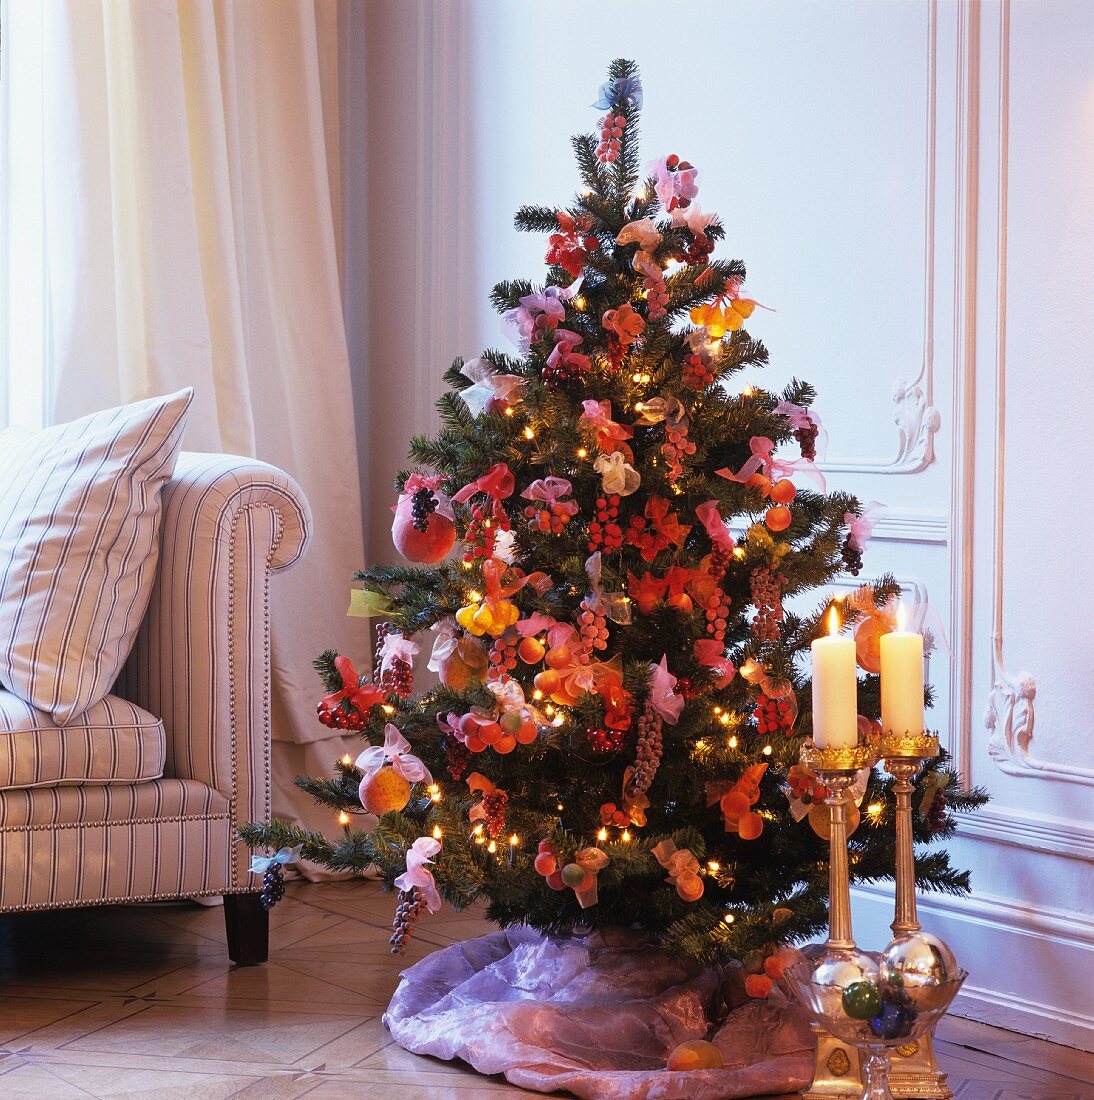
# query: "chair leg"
247,928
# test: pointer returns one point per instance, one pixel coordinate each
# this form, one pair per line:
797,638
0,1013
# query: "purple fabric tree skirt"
597,1016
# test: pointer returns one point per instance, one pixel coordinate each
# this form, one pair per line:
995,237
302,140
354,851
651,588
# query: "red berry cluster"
648,754
483,529
804,785
571,245
382,631
767,592
774,715
936,814
503,655
547,516
676,447
686,689
717,609
720,557
593,626
339,717
493,806
657,296
606,740
674,164
457,756
604,533
407,913
696,372
807,440
398,678
697,251
611,138
612,815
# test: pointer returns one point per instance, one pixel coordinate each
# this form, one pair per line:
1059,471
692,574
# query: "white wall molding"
1019,828
924,527
1009,715
914,414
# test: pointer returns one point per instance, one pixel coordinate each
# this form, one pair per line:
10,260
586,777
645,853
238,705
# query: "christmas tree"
622,654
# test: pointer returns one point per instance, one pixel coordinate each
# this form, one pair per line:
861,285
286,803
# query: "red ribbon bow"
498,482
362,696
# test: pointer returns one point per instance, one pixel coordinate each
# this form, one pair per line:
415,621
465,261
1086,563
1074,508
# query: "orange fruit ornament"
820,819
466,664
758,986
750,826
695,1054
777,518
384,792
783,491
531,651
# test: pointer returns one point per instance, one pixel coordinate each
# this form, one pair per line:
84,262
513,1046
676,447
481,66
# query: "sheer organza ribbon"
489,385
619,477
642,232
682,868
756,674
362,696
261,864
662,696
417,875
395,751
445,642
396,647
715,525
860,528
498,589
623,91
592,861
498,482
616,605
774,468
711,654
609,434
551,490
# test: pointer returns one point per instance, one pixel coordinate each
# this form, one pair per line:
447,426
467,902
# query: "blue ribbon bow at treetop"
624,91
261,864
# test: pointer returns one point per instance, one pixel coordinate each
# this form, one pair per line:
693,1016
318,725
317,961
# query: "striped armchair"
166,769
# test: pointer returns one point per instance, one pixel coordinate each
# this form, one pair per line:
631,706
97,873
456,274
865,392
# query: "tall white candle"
902,680
835,689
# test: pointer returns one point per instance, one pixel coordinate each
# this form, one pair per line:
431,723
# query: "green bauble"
573,874
861,1000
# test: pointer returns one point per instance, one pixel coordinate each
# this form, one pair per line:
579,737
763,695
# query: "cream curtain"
172,219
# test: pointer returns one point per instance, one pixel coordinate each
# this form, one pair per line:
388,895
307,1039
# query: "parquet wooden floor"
140,1001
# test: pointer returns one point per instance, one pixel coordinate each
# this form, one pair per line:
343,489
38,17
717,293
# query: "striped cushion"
113,741
92,804
79,540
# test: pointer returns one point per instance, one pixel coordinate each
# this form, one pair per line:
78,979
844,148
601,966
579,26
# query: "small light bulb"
636,378
474,596
514,840
582,453
387,708
728,918
559,807
732,742
626,838
438,832
466,564
480,839
343,817
347,760
529,434
717,710
874,809
767,750
738,552
700,744
537,695
477,830
508,410
603,834
579,302
492,846
714,866
725,719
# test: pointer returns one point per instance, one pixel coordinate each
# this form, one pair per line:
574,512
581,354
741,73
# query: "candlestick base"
838,1072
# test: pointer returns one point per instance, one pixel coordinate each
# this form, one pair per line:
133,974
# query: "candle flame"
901,616
833,621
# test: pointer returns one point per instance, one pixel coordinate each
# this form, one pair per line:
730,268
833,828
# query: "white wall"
894,175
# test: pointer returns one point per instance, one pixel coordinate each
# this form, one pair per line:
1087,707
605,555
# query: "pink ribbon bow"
663,697
860,528
563,353
396,751
362,696
693,217
775,468
490,386
592,861
642,232
418,856
715,525
536,623
498,482
711,654
682,867
551,490
609,435
618,476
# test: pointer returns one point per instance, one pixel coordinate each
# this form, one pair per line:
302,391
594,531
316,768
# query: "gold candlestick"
915,1072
